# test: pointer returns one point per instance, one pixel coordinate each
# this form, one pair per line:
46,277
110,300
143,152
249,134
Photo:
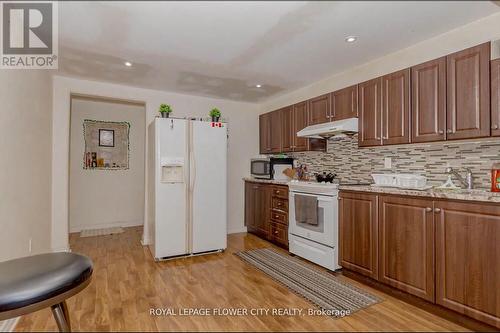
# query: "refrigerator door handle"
192,172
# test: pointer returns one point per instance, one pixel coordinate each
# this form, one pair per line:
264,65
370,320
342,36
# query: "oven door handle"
318,197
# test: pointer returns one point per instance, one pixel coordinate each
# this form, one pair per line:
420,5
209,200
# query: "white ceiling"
222,49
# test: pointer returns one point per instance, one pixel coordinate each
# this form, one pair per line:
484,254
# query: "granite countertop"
459,194
266,181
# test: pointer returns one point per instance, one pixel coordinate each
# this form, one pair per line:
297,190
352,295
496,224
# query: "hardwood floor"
127,283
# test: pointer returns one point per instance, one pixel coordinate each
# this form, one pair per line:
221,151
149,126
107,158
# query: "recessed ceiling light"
128,63
258,85
350,39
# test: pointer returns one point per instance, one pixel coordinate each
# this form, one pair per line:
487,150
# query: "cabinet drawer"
280,192
278,233
280,204
279,216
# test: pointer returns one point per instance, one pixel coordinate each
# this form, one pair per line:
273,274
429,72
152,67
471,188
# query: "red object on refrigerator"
495,177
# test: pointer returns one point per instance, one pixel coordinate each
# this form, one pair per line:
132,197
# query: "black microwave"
261,168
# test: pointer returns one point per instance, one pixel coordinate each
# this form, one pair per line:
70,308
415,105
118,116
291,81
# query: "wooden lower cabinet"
444,251
266,211
257,197
406,245
358,233
468,259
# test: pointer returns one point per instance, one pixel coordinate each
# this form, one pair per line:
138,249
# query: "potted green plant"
215,114
165,110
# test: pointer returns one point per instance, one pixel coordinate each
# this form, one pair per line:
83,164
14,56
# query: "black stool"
33,283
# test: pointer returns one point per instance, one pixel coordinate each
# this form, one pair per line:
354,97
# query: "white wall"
243,129
486,29
106,198
25,159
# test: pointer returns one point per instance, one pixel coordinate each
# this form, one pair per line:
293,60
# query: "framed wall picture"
106,145
106,138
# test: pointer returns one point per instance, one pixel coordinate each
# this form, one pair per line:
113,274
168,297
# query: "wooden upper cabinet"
319,110
344,103
396,108
468,92
406,245
264,133
358,233
299,123
495,97
287,137
468,259
275,131
370,115
428,99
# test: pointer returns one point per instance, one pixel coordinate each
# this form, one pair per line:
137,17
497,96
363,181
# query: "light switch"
388,163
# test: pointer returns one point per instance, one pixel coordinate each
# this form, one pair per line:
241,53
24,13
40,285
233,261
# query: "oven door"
260,168
326,231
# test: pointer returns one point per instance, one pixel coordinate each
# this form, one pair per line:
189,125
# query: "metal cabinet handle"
275,232
494,127
385,137
441,132
437,210
378,137
428,209
449,131
276,216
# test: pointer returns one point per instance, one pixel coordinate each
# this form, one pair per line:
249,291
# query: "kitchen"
403,172
329,166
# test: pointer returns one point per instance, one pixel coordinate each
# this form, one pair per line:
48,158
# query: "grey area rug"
335,297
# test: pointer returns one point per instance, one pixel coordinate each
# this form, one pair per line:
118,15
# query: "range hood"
327,130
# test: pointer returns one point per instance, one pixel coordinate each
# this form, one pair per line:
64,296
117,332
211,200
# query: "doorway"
106,164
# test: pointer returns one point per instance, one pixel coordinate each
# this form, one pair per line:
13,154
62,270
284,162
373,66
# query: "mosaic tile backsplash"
352,163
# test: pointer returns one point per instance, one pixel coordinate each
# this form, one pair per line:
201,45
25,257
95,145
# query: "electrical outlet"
388,163
29,244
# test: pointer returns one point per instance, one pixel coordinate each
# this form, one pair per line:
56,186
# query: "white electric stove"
315,242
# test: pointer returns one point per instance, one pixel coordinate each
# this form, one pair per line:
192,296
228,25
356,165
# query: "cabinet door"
275,131
468,259
249,205
369,107
261,210
406,245
319,110
344,103
299,122
265,133
358,233
287,129
428,100
495,97
396,108
468,107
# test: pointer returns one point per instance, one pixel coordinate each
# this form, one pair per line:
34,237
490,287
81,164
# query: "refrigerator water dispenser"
172,170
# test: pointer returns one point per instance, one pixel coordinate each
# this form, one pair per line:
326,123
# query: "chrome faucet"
467,181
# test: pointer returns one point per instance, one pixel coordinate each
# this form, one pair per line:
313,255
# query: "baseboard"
61,249
237,231
78,228
9,325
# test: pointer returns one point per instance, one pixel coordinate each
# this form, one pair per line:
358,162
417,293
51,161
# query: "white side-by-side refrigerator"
187,187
